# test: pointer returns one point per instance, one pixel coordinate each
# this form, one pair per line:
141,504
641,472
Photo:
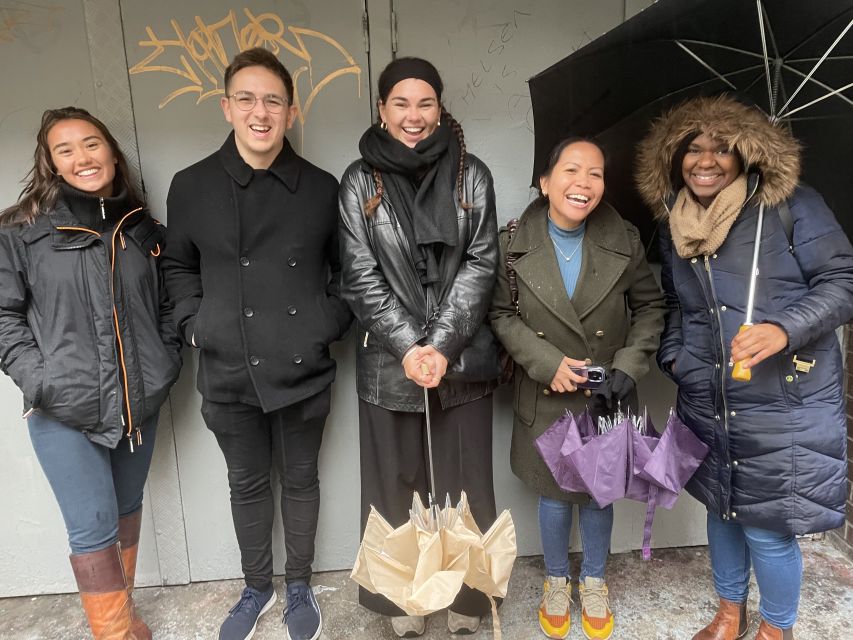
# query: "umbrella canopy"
421,565
795,61
625,458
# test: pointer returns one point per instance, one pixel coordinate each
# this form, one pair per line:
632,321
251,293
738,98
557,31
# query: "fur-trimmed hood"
765,148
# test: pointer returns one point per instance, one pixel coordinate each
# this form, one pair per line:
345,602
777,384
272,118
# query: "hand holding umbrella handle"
739,372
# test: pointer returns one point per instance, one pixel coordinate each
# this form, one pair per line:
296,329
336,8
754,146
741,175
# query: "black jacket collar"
285,167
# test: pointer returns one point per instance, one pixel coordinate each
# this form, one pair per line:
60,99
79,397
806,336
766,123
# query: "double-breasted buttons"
599,333
540,334
291,261
297,358
254,361
291,310
546,392
248,312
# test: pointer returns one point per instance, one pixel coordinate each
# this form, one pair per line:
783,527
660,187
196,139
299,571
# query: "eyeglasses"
246,101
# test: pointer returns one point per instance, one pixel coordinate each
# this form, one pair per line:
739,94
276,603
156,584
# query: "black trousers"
252,442
394,464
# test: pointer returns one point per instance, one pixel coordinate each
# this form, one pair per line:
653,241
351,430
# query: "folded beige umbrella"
421,565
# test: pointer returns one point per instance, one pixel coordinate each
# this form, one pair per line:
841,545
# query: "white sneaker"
408,626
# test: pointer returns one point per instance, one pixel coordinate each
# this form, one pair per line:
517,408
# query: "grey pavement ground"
668,598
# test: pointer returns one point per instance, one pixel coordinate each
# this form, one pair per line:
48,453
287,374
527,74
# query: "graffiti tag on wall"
200,56
27,21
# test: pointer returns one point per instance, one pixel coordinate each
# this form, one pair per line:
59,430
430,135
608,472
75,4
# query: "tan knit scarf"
700,231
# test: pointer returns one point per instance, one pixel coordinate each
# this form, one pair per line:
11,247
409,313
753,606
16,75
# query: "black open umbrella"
792,59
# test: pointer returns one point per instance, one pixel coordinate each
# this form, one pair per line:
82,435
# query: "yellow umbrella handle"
739,372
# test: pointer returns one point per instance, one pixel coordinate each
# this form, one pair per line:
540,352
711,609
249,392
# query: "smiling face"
82,157
575,185
259,133
411,112
708,167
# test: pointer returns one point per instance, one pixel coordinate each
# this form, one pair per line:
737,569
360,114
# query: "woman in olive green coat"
585,295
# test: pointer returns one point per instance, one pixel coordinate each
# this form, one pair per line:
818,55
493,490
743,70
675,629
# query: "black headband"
403,68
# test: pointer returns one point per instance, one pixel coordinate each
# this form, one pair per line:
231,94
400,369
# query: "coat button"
734,514
714,256
732,413
717,417
546,392
254,361
248,312
244,261
692,260
588,361
291,261
724,308
540,334
587,393
297,359
789,378
291,310
734,463
599,334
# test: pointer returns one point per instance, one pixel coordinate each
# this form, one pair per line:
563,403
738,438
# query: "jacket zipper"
725,417
103,212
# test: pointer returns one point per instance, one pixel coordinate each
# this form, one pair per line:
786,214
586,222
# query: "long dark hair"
42,184
554,158
384,89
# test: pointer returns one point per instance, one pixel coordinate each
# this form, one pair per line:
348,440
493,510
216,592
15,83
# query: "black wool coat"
265,305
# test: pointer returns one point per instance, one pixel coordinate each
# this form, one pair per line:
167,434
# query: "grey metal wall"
80,52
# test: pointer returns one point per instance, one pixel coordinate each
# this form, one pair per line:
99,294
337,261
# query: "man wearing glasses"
251,263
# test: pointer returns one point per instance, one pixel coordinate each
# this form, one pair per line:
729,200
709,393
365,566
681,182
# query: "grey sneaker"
408,626
303,617
463,625
554,608
243,616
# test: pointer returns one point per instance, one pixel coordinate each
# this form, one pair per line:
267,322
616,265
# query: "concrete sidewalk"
669,598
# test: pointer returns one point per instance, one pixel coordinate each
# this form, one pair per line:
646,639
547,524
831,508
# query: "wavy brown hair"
41,190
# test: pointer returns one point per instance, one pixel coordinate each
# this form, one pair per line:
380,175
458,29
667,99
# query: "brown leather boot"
730,623
128,537
768,632
103,591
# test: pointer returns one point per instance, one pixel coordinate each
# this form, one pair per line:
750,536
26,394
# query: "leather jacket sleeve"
465,304
363,285
20,355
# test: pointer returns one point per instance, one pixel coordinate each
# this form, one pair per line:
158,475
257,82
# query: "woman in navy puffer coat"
777,464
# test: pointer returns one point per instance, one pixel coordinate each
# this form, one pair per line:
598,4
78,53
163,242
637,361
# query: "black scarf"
421,184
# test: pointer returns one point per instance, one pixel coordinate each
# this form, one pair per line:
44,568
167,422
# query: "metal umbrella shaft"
431,492
739,372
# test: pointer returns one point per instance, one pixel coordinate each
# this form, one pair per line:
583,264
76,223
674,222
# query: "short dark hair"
260,57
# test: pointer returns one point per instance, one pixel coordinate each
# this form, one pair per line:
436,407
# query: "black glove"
615,389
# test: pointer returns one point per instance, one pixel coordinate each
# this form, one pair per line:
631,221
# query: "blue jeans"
777,562
94,485
555,524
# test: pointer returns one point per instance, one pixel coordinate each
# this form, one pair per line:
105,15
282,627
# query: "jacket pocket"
526,396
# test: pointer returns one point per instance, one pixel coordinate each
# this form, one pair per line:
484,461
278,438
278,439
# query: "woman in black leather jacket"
86,333
420,253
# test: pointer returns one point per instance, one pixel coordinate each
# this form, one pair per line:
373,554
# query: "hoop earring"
383,125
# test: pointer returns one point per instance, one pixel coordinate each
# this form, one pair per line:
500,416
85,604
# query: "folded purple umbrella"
660,467
622,462
557,442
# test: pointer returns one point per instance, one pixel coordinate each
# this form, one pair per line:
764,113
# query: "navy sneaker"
302,615
243,617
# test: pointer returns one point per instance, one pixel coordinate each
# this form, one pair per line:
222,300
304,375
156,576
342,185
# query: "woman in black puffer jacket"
86,334
777,464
